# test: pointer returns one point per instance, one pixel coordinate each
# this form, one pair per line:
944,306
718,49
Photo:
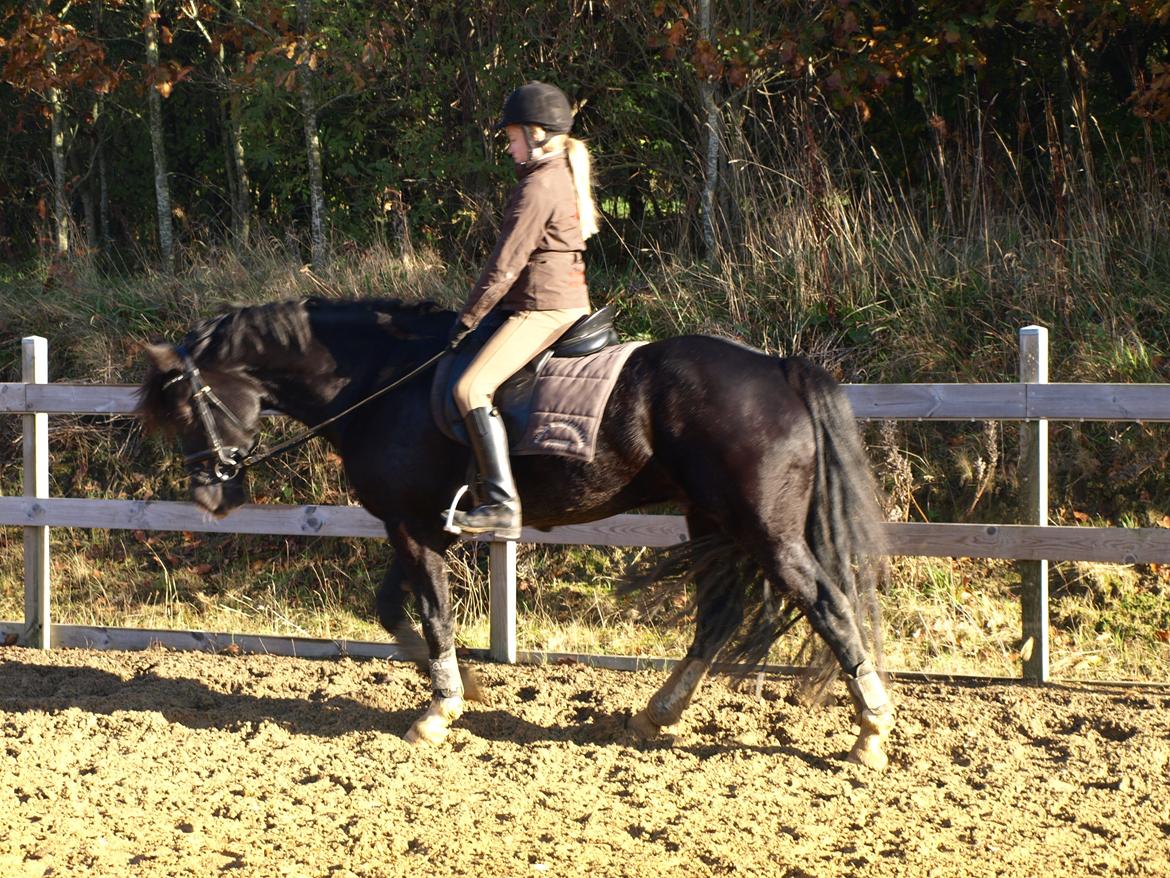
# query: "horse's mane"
287,326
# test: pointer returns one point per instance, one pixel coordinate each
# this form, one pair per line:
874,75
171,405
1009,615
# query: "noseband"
219,462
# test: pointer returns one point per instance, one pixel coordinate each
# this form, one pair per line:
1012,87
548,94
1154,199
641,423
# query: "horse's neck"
304,396
339,370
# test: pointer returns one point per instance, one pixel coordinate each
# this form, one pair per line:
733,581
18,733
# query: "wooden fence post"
37,619
1034,500
502,596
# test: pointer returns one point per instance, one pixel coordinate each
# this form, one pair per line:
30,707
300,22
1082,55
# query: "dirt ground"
172,764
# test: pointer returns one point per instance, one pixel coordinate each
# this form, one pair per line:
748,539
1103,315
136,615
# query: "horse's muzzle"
220,498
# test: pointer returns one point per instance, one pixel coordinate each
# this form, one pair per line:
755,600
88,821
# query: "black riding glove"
459,333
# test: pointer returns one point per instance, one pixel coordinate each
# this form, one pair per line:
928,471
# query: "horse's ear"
164,357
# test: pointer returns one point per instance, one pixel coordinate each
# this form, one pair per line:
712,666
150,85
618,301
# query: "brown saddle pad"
568,401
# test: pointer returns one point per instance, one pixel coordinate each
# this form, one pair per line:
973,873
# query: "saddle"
513,399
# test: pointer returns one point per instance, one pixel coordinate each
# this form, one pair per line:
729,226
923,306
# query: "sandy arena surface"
175,764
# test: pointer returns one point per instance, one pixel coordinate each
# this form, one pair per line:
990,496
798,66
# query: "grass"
296,587
1112,616
951,616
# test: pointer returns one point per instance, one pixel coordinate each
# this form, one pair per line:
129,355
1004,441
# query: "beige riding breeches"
521,337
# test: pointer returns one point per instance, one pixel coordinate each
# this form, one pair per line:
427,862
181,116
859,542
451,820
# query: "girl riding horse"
536,274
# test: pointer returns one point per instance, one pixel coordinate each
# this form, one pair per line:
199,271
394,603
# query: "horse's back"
725,421
705,378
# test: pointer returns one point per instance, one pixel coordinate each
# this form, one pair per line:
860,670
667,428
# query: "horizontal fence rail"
1012,541
904,402
1032,401
310,521
1010,402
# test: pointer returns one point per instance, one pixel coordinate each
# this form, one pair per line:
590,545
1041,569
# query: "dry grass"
941,615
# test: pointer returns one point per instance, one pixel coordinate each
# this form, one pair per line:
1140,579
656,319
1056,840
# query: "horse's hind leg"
831,615
717,615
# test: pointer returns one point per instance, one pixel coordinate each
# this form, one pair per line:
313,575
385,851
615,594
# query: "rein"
230,460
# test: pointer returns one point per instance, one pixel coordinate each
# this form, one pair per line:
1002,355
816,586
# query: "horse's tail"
845,524
844,533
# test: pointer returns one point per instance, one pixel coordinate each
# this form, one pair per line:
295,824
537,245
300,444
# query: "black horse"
761,452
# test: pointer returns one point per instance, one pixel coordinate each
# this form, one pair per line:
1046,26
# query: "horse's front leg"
391,606
666,706
447,704
423,567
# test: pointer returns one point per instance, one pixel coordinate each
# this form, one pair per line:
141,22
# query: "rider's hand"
459,333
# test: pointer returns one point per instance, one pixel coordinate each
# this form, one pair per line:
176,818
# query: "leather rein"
221,462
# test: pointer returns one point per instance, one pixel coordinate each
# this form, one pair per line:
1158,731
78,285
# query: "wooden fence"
1032,542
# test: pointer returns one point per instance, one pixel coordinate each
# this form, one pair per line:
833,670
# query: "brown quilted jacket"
537,264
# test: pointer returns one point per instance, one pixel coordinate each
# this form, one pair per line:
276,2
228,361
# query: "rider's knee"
466,396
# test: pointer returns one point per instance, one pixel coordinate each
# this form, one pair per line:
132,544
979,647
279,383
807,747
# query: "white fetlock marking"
875,723
449,709
432,727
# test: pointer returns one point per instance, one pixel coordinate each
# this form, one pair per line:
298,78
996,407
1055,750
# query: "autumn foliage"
408,92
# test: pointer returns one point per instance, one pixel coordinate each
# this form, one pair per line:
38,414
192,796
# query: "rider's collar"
532,163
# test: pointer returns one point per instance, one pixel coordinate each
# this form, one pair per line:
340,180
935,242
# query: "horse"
761,452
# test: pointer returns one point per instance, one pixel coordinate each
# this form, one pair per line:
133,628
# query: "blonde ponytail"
581,166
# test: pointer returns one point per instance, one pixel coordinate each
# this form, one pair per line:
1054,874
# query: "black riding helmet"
538,103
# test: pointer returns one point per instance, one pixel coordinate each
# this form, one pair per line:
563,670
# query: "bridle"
220,462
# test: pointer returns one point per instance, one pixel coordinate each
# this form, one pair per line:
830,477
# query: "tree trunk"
85,195
243,205
57,149
229,167
102,231
104,240
305,79
60,201
711,159
162,189
237,169
236,129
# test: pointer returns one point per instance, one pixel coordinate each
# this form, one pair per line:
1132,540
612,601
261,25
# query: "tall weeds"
822,246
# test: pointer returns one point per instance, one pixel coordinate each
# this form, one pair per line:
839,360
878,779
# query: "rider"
536,276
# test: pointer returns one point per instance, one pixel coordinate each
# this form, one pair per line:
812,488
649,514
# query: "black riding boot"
500,512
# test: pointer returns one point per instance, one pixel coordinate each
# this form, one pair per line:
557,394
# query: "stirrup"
451,527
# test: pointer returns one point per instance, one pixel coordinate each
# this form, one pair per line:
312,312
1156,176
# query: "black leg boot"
500,512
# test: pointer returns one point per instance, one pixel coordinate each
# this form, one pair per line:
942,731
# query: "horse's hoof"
879,724
867,752
432,727
427,730
642,726
867,749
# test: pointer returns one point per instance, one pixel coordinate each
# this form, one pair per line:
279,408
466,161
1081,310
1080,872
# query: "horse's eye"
183,413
